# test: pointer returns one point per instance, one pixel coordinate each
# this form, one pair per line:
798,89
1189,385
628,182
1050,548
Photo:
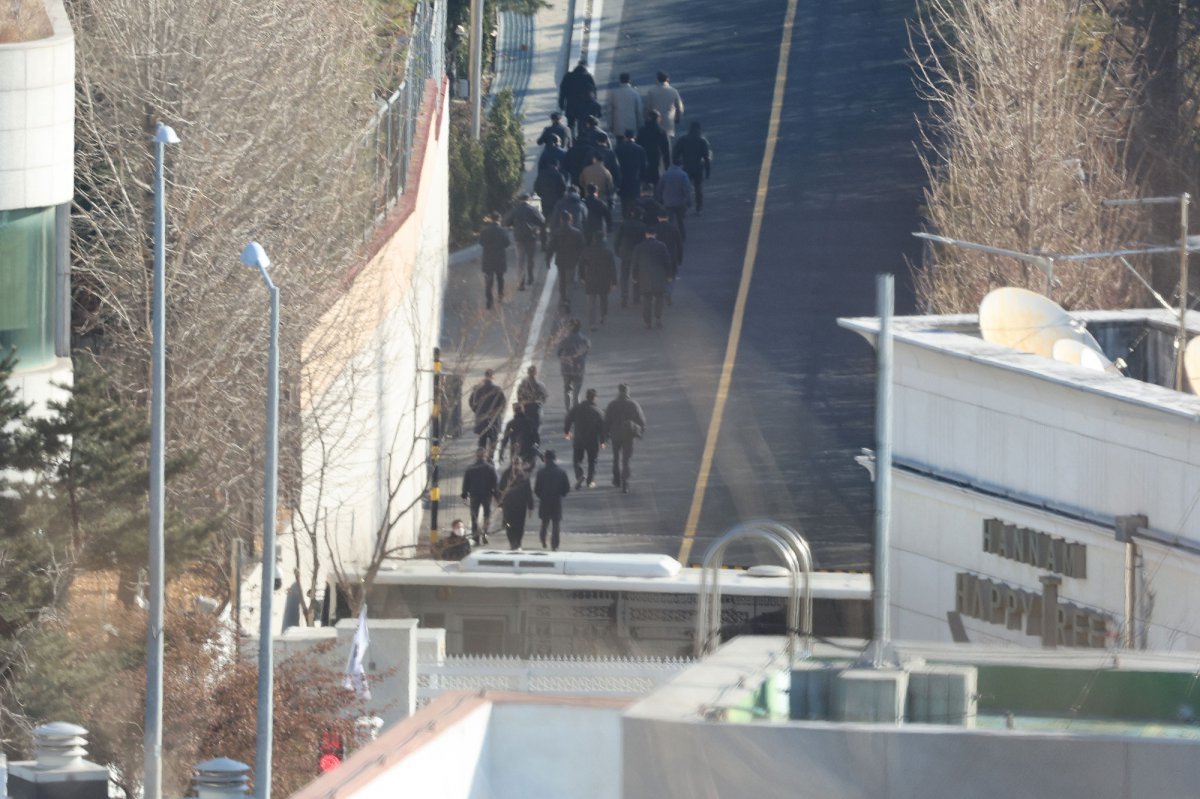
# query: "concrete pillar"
1050,584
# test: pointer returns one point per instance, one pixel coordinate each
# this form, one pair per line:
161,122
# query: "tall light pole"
152,740
254,256
476,64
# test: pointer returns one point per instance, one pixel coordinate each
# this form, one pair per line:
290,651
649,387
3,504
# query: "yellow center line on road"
739,308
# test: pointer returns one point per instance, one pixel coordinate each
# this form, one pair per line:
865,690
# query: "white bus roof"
826,585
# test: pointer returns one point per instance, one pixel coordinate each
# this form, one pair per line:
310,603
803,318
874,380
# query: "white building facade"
1013,475
37,184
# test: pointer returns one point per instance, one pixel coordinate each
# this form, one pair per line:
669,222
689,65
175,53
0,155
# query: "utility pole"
476,66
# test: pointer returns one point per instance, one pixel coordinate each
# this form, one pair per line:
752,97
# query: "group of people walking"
585,174
613,190
587,427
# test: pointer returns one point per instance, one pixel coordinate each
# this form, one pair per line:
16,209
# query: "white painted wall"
37,117
366,387
511,750
664,759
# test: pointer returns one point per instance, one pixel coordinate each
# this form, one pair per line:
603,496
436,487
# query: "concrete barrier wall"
685,759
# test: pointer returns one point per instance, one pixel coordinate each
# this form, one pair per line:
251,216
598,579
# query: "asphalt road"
840,205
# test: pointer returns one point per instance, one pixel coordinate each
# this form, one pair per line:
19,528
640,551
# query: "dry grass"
26,21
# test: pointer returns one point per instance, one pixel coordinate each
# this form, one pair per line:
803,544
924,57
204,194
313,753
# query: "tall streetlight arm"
254,256
152,735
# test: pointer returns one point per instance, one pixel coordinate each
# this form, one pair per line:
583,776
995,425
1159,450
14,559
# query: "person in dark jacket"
668,234
588,437
632,158
528,225
675,193
624,423
551,186
556,129
572,360
479,485
609,159
652,266
532,394
522,435
573,204
648,205
494,241
592,134
487,401
577,94
692,150
598,223
577,159
552,153
657,144
516,501
630,234
565,245
599,267
551,485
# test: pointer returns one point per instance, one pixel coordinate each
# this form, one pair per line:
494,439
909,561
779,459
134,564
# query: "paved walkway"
523,329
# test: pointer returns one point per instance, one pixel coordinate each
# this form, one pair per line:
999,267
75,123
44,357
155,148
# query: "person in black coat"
528,225
578,158
487,401
523,436
630,234
516,502
599,267
692,150
624,423
479,485
652,268
572,355
632,158
565,245
551,485
494,241
577,94
556,129
657,144
550,185
588,438
598,223
552,153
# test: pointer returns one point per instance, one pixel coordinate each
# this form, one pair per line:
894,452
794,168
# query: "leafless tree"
270,100
1029,120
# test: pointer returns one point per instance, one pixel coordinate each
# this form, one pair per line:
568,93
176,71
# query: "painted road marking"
739,308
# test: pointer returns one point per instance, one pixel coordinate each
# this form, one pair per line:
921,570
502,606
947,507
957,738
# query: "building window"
27,285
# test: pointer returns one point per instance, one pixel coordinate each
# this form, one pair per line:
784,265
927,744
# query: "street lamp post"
152,740
254,256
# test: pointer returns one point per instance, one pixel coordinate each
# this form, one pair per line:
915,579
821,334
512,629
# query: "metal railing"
391,132
622,677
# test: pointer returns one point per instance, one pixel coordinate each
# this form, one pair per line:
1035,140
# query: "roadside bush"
466,178
503,153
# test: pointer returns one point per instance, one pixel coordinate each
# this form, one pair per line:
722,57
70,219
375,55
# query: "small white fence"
611,677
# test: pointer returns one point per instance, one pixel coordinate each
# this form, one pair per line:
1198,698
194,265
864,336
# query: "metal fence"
627,678
390,134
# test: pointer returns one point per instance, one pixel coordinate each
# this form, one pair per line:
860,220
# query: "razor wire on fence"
393,129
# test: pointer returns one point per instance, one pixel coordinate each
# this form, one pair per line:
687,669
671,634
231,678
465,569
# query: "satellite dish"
1029,322
1191,364
1068,350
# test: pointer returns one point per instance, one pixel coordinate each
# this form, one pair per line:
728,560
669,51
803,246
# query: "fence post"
435,446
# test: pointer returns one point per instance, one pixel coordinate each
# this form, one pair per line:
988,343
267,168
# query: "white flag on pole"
356,672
